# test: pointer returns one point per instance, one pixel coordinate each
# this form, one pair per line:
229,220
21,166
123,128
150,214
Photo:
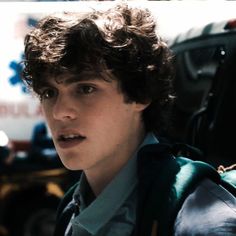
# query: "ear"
141,106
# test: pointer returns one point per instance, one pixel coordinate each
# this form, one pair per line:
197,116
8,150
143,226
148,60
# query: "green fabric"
169,181
230,176
229,181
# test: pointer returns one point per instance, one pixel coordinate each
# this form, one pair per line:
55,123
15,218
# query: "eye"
47,93
86,89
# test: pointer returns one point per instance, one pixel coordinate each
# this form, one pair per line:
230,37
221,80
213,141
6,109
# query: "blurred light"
3,139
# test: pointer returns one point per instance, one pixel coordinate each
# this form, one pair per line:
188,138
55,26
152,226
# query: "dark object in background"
4,153
206,90
31,187
42,148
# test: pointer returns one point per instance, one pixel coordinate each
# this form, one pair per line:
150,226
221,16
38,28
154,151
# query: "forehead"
68,78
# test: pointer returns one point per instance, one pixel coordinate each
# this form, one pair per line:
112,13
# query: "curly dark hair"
121,39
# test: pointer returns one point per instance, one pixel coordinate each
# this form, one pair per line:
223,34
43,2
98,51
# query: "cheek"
44,109
114,118
47,108
48,116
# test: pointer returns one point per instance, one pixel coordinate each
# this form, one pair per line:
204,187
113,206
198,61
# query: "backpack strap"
188,178
164,184
157,169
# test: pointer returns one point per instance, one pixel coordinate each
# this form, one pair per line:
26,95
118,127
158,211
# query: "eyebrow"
43,84
82,77
88,76
68,81
76,79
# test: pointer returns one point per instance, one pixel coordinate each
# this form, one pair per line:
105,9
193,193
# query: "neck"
98,179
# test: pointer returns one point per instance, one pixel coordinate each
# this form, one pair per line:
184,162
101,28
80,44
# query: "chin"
71,164
72,167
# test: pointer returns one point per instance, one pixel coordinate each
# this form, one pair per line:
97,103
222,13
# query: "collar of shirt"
95,216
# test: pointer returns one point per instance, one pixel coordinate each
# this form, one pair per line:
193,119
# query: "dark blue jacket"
170,190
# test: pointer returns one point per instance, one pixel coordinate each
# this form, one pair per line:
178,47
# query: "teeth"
70,136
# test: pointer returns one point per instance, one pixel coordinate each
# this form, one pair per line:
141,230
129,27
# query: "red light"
231,24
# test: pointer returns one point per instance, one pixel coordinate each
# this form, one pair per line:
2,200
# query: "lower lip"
70,144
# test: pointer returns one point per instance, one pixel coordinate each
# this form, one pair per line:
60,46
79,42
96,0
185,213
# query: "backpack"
182,177
176,177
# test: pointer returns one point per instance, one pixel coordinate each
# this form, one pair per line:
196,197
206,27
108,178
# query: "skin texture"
110,128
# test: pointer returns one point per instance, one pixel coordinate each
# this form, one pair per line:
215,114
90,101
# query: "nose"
64,109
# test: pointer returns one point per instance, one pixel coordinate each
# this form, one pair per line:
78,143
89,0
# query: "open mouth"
70,137
67,141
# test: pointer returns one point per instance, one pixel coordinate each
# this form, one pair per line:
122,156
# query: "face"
91,124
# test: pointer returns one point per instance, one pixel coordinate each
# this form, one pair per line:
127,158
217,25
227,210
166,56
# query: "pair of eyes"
48,93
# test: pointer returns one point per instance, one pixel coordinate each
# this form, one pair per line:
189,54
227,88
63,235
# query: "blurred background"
32,179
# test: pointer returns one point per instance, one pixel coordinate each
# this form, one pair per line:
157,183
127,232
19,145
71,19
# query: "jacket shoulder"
209,210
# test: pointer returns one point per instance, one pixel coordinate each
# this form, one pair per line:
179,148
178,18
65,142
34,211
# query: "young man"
104,81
